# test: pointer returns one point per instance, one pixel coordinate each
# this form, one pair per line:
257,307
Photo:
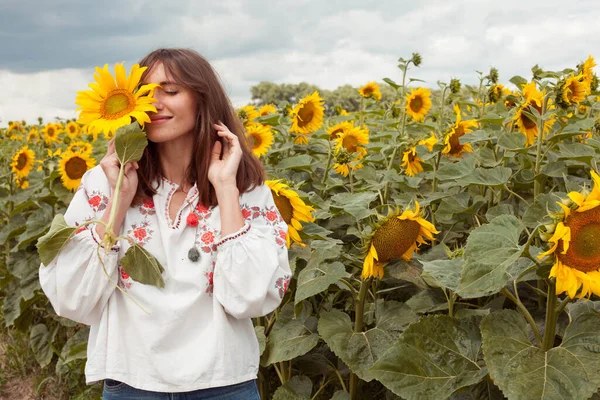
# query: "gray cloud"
48,48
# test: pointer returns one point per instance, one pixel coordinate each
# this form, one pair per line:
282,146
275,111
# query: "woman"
198,203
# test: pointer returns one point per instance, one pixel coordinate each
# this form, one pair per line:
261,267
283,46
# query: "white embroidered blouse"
199,333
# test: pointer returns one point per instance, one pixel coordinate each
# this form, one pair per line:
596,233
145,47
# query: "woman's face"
175,115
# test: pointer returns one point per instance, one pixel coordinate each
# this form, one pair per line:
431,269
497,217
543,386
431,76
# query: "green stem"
329,158
525,313
551,317
562,306
358,327
538,178
109,236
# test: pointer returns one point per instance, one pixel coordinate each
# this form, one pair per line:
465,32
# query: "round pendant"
193,254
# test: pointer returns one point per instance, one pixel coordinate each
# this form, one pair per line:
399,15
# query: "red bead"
192,220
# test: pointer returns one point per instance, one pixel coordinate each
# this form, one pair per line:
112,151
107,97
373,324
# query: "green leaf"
544,204
443,273
39,342
262,339
297,388
341,395
391,83
52,242
523,371
74,349
36,225
491,251
457,170
130,142
433,358
518,81
428,300
142,266
394,317
497,176
270,119
512,141
576,151
358,350
317,276
291,337
302,161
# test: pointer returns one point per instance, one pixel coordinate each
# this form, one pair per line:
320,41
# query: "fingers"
216,151
111,146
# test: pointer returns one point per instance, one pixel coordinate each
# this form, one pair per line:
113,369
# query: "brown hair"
193,71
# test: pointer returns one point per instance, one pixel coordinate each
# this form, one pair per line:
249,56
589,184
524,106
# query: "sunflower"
574,89
301,139
526,125
267,109
33,136
346,162
81,147
587,69
22,183
72,166
248,114
411,162
50,132
337,129
351,139
575,245
73,130
370,90
260,138
496,92
398,236
429,142
292,209
453,147
13,129
112,102
307,115
418,103
22,162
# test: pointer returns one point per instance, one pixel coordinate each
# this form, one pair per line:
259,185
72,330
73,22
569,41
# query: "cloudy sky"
48,48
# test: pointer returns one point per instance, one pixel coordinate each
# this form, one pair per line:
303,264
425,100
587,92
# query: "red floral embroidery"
201,208
81,229
209,284
208,237
147,207
282,285
280,237
271,215
141,233
125,280
98,201
246,213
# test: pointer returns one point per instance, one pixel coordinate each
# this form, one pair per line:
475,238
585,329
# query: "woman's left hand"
223,170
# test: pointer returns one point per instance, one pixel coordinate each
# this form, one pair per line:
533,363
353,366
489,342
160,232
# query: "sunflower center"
284,206
118,103
350,143
527,122
255,141
21,161
395,237
51,132
368,91
416,104
305,115
75,167
584,248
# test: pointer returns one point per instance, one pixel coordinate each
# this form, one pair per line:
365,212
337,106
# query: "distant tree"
345,96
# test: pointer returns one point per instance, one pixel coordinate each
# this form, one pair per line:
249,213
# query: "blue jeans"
115,390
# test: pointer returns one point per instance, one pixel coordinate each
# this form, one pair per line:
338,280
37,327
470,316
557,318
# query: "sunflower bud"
594,83
493,75
286,110
454,86
596,128
343,157
536,71
495,93
416,59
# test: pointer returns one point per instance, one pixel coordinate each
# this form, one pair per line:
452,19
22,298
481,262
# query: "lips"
159,118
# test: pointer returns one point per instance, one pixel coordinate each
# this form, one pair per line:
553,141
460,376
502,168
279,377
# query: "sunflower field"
444,245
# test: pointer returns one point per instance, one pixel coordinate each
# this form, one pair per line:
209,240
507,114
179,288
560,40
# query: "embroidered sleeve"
252,269
74,281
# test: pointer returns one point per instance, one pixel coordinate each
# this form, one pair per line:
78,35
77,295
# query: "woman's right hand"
111,165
